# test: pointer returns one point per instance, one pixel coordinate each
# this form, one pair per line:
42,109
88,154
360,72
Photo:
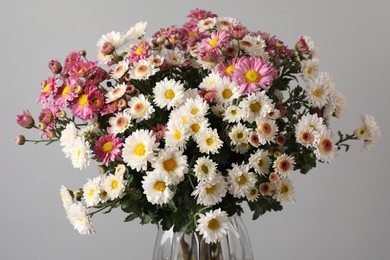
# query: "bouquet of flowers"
190,123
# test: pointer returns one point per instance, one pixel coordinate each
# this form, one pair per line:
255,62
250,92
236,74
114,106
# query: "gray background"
342,209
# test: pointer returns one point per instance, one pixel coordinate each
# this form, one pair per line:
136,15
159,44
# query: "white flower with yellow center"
140,108
240,180
68,136
196,107
116,93
91,191
238,134
253,194
211,81
266,130
80,153
139,148
284,191
213,225
255,106
168,93
284,165
209,193
313,121
207,24
336,104
224,23
241,148
142,70
115,38
369,131
197,124
326,148
177,134
205,169
120,169
318,90
156,188
233,114
227,91
260,162
173,57
310,69
208,141
66,198
137,31
172,164
119,70
253,46
114,185
120,122
77,215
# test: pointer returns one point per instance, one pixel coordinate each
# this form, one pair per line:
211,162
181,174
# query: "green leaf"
131,217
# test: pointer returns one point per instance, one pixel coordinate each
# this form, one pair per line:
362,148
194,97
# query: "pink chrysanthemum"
65,93
48,89
70,60
81,107
82,69
252,74
199,14
217,40
96,99
190,34
139,52
208,95
107,148
227,68
159,131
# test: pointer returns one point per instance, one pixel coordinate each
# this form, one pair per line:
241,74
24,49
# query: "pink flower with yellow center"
81,107
253,73
227,68
65,93
82,69
107,148
213,44
139,52
48,89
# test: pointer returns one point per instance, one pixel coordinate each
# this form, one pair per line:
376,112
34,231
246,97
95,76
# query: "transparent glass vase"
180,246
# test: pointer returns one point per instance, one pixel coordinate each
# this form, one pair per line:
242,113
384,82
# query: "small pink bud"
51,134
20,139
122,103
107,48
274,177
280,139
25,120
55,66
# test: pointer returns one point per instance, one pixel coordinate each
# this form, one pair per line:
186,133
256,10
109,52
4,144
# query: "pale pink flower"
70,60
200,14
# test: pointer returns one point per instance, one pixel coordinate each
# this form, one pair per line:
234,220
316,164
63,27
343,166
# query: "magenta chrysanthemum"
107,148
48,89
81,106
252,74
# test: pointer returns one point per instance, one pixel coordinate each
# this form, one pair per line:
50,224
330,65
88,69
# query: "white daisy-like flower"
137,31
336,104
255,106
197,124
208,141
120,122
80,153
139,148
306,135
168,93
103,58
238,134
120,169
116,93
172,164
114,185
66,197
207,24
78,217
142,70
211,81
196,107
115,38
191,93
156,189
260,162
140,108
253,46
91,191
233,114
173,57
369,131
274,114
284,191
179,116
90,130
284,165
266,130
218,110
68,136
119,70
318,90
205,169
227,91
313,121
310,69
224,23
253,194
241,148
156,60
240,180
213,225
177,134
209,193
326,148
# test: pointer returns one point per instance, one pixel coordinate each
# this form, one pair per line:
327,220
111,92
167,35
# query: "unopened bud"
51,134
122,103
83,53
42,125
55,66
20,139
107,48
62,114
78,194
78,89
102,169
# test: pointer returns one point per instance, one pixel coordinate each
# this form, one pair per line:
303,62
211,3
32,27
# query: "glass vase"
181,246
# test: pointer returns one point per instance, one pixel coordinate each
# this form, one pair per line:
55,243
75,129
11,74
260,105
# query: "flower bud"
102,169
274,177
78,194
42,125
20,139
62,114
55,66
83,53
78,89
25,120
280,139
107,48
122,103
51,134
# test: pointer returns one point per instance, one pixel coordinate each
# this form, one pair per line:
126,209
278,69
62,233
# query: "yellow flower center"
139,50
255,107
90,192
284,189
184,120
317,92
204,169
159,186
83,100
213,42
252,76
210,141
192,34
169,94
65,91
114,184
177,135
169,165
241,180
195,128
46,89
229,70
210,190
213,224
139,150
227,93
108,147
172,39
309,71
194,111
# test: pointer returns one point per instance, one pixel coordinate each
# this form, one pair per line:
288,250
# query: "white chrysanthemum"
119,70
326,148
313,121
369,131
318,90
120,169
218,110
142,70
191,93
137,31
284,191
115,38
139,148
90,129
103,58
253,194
254,46
213,226
241,148
336,104
116,93
173,57
172,164
197,124
238,134
274,114
120,122
266,130
66,198
227,91
168,93
77,215
140,108
260,162
68,136
284,165
255,106
208,141
207,24
177,134
233,114
114,185
209,193
156,60
224,23
240,180
80,153
205,169
211,81
91,191
306,135
310,69
179,116
156,189
196,107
